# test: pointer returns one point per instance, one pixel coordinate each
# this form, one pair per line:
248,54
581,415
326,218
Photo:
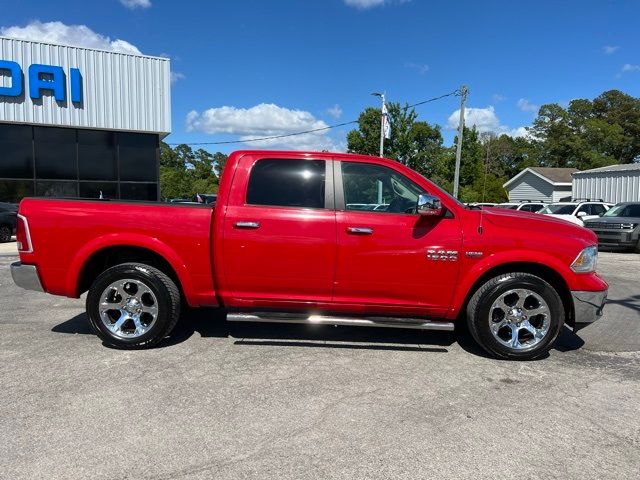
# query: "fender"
131,240
471,276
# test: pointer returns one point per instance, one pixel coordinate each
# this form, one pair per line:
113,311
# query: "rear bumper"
587,307
26,276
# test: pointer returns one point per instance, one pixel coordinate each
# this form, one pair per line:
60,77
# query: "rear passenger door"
280,232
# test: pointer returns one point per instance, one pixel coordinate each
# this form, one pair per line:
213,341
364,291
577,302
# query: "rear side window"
287,183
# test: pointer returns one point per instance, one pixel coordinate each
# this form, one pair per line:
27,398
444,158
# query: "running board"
388,322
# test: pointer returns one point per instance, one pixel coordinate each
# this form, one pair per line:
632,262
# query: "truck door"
391,259
280,232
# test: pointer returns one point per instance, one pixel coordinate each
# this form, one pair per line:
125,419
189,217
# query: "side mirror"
429,206
581,214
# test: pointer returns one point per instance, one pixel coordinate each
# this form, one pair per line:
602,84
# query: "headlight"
586,260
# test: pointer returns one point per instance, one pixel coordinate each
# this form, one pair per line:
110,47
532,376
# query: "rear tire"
5,233
516,316
133,305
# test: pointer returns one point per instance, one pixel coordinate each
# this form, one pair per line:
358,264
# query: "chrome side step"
388,322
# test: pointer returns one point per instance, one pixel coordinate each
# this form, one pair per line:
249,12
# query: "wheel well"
112,256
542,271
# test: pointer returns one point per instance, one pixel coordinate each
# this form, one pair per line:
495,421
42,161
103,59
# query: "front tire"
133,305
516,316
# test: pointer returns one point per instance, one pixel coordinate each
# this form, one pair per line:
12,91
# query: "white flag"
386,124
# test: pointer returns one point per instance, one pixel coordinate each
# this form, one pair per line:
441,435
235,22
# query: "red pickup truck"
315,238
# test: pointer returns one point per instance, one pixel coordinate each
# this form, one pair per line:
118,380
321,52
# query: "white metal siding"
560,192
120,91
531,187
612,187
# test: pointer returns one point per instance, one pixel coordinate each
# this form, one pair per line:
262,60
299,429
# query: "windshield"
623,211
559,209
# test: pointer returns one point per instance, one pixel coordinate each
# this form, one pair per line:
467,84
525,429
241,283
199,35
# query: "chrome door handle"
360,230
247,225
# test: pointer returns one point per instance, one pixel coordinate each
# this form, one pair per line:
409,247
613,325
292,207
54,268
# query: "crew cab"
282,244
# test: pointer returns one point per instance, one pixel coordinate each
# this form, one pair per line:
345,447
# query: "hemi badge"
474,254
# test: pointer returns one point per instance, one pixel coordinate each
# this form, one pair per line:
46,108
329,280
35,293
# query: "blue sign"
42,79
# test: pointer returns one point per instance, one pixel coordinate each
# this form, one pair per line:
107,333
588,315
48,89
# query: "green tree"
366,139
184,172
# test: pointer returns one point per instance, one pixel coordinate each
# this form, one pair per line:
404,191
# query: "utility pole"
456,178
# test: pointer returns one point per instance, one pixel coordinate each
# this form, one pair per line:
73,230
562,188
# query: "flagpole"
382,126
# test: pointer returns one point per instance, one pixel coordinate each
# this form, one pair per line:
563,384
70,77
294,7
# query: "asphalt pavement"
292,402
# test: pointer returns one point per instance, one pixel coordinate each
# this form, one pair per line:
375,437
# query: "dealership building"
80,122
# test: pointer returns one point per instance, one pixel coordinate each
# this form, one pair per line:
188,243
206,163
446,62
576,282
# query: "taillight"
23,238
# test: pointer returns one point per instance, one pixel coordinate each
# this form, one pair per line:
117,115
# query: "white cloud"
526,106
136,3
175,76
367,4
335,111
421,68
263,120
610,49
485,120
627,67
75,35
364,4
498,98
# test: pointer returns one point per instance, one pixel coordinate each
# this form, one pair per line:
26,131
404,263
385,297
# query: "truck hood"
544,225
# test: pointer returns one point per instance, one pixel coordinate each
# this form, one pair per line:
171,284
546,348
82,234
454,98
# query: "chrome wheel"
519,319
128,308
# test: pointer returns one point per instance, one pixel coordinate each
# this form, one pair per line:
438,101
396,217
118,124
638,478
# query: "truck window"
287,183
378,189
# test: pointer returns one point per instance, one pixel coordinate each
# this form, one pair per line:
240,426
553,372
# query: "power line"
273,137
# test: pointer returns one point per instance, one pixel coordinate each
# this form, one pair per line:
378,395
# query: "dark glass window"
138,157
287,183
139,191
97,155
56,189
377,188
55,153
95,189
16,151
15,190
631,211
597,209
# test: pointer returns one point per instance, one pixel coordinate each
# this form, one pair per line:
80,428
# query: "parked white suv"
578,211
523,206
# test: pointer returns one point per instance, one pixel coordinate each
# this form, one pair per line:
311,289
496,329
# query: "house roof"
612,168
554,176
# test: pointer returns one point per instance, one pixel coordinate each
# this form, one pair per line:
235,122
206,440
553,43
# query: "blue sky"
283,66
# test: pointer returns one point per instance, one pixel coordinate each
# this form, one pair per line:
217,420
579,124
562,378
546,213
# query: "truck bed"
69,234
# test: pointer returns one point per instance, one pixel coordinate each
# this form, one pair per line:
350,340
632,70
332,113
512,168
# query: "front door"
390,259
280,234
